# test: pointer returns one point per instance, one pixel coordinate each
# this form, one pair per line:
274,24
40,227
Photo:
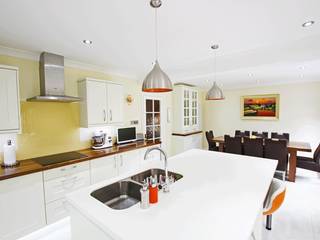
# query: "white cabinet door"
115,103
57,210
152,156
9,100
22,208
96,103
129,161
103,168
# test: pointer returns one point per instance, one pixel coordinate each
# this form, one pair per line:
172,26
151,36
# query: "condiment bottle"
144,191
153,190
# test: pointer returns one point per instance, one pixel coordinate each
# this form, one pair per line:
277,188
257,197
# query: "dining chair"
285,136
277,149
253,147
262,135
212,146
238,133
233,144
312,164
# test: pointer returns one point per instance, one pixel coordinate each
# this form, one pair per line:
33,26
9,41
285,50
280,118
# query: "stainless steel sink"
126,193
119,195
152,172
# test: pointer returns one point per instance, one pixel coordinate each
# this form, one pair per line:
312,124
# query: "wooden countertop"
30,166
186,134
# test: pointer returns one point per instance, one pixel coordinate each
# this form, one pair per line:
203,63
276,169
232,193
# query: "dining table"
293,148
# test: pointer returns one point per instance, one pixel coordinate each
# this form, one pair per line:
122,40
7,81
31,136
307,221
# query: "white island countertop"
219,198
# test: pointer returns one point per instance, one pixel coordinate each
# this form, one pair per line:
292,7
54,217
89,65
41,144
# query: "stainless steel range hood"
52,80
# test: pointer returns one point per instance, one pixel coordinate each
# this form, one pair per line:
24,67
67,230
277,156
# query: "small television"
126,135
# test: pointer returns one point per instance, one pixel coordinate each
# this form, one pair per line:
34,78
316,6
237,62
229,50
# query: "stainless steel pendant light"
215,93
157,80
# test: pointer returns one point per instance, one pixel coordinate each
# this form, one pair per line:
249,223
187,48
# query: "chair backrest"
238,133
233,144
253,147
210,136
262,135
275,196
284,136
316,155
277,149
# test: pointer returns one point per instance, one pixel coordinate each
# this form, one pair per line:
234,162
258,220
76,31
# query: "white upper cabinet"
115,103
186,109
102,103
9,99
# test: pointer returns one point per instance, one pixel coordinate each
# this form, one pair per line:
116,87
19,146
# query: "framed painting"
260,107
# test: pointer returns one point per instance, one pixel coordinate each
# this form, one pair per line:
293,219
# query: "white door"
129,161
9,100
22,207
103,168
97,102
115,103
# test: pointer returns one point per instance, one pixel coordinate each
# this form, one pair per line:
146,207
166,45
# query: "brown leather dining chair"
238,133
277,149
233,144
253,147
312,164
262,135
212,146
284,136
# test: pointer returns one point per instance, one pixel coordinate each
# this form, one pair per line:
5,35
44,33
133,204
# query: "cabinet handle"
110,114
104,115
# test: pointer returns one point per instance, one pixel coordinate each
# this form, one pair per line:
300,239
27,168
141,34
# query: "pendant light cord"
156,33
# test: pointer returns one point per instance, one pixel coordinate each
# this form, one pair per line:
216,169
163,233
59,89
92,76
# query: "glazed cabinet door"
103,168
9,100
22,208
115,103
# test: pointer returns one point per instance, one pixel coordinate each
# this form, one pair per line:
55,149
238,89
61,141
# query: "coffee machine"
101,140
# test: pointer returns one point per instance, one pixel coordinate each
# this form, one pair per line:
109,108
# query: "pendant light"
157,80
215,93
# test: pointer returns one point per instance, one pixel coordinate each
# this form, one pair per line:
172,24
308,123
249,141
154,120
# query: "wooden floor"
298,218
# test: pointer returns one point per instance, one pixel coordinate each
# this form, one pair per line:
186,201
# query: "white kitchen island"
220,197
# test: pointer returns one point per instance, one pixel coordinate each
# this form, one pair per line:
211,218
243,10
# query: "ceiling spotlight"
250,75
308,24
87,41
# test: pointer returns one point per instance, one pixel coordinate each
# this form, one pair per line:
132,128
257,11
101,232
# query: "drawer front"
57,188
56,210
65,170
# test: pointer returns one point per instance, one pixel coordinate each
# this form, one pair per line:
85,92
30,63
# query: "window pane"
156,105
149,119
157,132
157,118
149,105
149,132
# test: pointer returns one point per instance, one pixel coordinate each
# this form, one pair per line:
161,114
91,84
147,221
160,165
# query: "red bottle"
153,191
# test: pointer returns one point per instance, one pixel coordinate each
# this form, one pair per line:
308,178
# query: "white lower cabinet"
152,156
184,143
129,161
60,181
103,168
22,208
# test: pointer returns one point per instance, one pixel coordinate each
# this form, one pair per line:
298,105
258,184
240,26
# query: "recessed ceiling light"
87,41
308,24
250,75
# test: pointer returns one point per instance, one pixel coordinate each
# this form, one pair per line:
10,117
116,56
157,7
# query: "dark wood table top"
30,166
292,145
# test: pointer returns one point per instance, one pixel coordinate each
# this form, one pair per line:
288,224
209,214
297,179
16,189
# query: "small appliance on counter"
101,140
126,135
9,155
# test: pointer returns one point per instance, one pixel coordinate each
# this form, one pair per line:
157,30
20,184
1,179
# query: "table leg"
292,165
221,147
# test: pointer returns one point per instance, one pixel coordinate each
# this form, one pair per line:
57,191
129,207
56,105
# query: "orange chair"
274,200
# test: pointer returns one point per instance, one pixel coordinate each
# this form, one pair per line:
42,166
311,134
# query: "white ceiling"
263,38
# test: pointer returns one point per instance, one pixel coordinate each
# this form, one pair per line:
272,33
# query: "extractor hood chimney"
52,80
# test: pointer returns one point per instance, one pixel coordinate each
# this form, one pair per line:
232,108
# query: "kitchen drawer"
57,210
57,188
65,170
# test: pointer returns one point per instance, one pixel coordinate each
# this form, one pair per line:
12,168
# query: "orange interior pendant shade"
157,80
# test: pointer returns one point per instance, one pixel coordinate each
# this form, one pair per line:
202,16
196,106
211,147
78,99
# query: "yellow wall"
49,128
